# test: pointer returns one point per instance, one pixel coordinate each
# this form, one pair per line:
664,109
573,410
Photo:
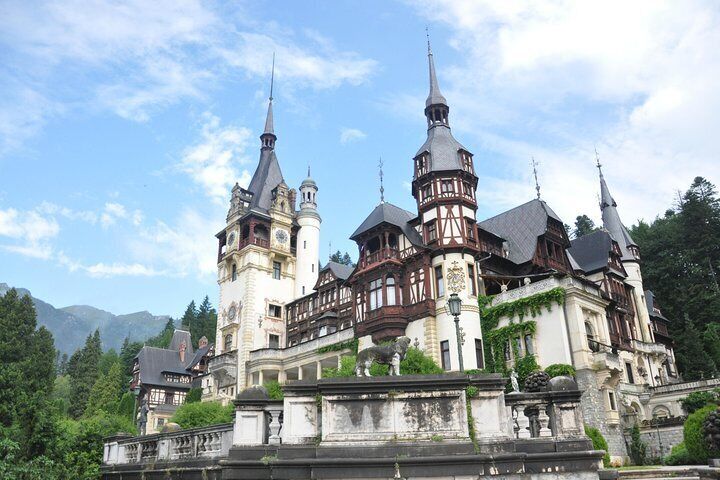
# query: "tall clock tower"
257,269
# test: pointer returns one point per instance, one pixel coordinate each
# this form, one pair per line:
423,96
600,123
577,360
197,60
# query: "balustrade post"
544,421
522,422
275,425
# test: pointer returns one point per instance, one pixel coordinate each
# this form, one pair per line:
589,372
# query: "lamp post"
454,304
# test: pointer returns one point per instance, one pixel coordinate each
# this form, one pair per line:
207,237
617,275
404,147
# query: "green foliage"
498,338
194,395
345,258
414,363
598,442
638,449
62,394
696,400
274,390
711,340
678,455
559,369
528,305
105,394
162,339
685,244
583,226
107,360
203,414
695,442
200,321
128,352
525,366
351,345
14,467
126,407
84,373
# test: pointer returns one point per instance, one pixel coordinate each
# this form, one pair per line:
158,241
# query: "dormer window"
467,163
431,231
446,186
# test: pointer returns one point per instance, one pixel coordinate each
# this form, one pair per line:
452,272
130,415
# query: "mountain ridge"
70,325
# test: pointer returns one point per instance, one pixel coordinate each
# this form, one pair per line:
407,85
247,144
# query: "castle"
282,316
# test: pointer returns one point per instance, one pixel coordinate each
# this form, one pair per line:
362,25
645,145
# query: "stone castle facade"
283,316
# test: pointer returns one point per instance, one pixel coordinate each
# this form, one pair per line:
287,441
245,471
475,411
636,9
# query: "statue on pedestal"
383,354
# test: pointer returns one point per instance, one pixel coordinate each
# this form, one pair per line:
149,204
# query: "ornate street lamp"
454,304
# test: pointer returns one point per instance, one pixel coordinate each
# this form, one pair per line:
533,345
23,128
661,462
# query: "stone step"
676,473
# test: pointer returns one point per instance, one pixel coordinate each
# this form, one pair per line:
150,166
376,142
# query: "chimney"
183,346
202,343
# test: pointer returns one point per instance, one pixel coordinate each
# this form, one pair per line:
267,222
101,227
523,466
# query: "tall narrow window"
439,281
529,347
629,372
234,272
611,399
446,186
470,229
277,270
471,280
390,290
273,341
376,294
304,244
479,357
506,351
228,343
312,267
445,354
431,228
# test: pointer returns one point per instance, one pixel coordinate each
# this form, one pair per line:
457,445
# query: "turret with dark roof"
613,224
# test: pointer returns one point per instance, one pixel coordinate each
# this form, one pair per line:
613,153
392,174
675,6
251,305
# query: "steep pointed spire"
268,137
611,219
434,97
537,184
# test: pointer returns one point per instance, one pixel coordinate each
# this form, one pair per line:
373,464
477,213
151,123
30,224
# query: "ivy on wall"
352,345
495,338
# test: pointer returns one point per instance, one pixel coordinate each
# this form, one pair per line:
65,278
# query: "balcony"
223,368
650,348
383,323
605,357
260,242
378,256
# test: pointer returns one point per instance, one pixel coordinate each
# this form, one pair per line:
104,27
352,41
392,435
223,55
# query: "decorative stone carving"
455,278
514,381
383,354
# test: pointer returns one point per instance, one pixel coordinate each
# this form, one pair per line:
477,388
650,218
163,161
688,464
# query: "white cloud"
553,78
214,162
136,58
112,212
29,231
54,209
349,135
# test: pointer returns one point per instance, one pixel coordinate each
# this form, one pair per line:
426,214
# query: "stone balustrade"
697,385
551,414
206,442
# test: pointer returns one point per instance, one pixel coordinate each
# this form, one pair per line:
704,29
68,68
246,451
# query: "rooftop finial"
330,250
427,34
537,184
308,170
597,161
272,77
382,189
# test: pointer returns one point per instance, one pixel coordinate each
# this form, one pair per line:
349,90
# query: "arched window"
390,289
234,272
227,346
592,341
529,347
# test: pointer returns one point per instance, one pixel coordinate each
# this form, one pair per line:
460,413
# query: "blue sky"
122,127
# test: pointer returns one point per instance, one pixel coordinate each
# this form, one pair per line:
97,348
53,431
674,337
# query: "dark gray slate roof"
267,176
156,361
650,302
199,353
443,149
434,97
180,336
521,227
389,213
612,222
592,251
340,271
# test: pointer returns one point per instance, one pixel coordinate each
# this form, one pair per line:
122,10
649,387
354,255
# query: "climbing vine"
337,347
496,338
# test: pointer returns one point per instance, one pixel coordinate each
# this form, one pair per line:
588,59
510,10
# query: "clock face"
231,239
281,236
232,312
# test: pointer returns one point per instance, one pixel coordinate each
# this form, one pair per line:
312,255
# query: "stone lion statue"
383,354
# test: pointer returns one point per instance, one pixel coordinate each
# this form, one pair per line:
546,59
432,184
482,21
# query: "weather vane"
382,189
272,77
537,185
597,161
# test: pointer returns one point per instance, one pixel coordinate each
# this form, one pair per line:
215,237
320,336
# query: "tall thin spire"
434,97
268,137
537,184
382,189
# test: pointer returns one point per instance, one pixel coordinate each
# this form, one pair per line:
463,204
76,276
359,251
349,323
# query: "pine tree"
128,352
106,392
190,316
84,377
690,353
162,339
339,257
206,322
583,226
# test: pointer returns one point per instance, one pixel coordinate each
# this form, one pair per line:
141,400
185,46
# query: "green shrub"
126,407
638,449
678,455
203,414
274,390
599,443
477,371
695,442
525,366
414,363
559,369
697,400
194,395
